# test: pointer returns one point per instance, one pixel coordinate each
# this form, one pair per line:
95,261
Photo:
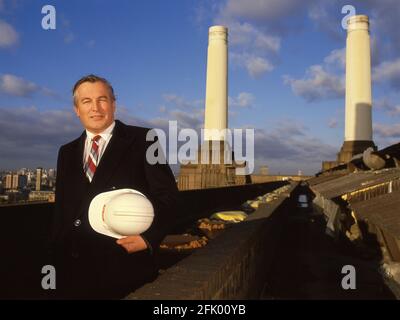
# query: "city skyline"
27,185
286,73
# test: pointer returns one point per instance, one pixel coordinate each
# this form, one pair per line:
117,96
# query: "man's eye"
85,101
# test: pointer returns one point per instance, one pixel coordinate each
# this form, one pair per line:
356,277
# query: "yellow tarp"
233,216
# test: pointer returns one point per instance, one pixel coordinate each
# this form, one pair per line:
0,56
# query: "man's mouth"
96,117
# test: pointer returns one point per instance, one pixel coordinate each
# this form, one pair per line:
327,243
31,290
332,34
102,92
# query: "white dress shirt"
103,142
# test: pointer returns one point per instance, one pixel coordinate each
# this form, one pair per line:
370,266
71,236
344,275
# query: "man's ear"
114,106
76,110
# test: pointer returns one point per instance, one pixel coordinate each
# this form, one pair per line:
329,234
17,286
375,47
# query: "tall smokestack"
215,165
358,118
216,114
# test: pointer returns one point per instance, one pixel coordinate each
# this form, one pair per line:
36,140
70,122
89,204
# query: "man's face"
94,106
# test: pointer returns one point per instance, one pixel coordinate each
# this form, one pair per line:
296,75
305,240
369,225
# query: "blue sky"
286,74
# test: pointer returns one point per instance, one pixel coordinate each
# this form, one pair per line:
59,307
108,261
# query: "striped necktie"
92,159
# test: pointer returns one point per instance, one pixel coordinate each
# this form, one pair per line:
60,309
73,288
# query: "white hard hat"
120,213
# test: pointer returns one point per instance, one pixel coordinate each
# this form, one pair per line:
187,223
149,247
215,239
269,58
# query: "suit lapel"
77,161
110,160
79,182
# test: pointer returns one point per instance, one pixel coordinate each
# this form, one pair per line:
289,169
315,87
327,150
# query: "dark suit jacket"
86,260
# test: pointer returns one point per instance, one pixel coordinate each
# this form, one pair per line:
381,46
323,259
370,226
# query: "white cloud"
318,84
387,106
267,43
333,123
376,50
261,10
30,137
184,119
256,66
248,36
387,131
388,71
123,113
290,128
66,31
289,148
188,114
320,81
321,13
203,13
243,100
16,86
19,87
386,134
69,37
385,20
252,46
8,36
384,23
181,102
256,24
187,119
49,93
337,57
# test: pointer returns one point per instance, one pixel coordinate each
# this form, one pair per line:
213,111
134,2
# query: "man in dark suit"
88,264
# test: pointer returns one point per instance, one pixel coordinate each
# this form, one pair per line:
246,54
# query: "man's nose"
95,105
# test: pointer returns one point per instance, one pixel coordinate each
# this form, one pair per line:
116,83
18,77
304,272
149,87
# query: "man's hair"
92,79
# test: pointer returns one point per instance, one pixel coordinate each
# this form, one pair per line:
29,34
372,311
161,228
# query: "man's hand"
132,243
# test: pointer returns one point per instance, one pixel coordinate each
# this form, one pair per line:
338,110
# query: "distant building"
22,181
264,170
30,175
22,171
38,178
51,173
14,182
8,184
14,196
42,196
3,198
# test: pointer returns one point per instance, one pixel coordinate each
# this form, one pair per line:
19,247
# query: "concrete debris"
391,270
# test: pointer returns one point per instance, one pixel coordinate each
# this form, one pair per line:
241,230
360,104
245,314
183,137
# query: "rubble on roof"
361,200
